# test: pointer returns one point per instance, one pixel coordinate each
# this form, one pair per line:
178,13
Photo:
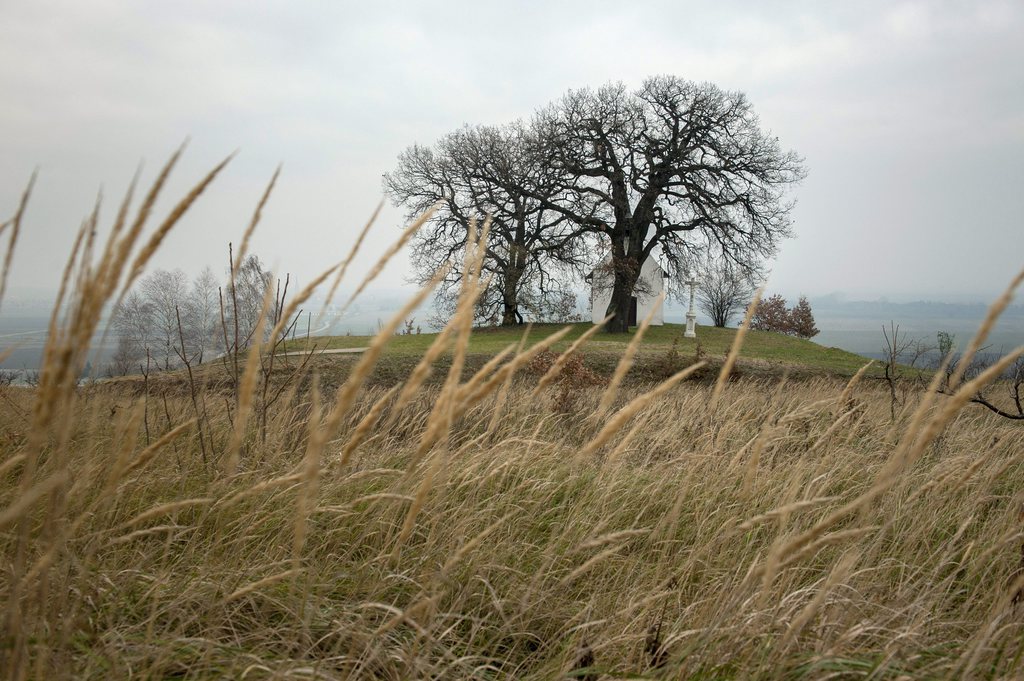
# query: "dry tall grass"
473,530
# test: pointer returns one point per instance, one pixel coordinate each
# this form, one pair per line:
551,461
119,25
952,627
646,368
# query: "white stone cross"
691,316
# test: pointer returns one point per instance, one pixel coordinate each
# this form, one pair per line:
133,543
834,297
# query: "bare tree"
133,324
122,362
723,290
169,323
247,291
1015,385
1011,406
676,165
201,314
489,171
558,308
902,354
164,291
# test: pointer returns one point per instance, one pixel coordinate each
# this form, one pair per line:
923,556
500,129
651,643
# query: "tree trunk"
622,293
510,299
509,313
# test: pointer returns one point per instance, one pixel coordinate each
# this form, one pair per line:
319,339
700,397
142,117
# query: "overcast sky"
910,116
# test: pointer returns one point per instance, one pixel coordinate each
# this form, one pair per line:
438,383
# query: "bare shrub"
574,377
1009,406
902,355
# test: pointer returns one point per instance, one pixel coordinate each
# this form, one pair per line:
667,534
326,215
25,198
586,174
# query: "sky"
910,117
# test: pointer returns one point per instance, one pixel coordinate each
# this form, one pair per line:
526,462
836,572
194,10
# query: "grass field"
791,532
517,517
763,351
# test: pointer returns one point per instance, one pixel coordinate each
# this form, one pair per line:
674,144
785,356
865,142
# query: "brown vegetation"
773,315
478,528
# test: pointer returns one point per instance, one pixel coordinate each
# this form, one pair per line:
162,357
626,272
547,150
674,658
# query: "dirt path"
334,351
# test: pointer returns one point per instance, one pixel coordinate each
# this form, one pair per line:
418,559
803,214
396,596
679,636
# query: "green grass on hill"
761,349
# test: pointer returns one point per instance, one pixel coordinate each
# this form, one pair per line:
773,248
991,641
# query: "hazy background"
910,116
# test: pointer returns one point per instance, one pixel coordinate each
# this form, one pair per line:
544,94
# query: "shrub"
773,315
801,320
573,378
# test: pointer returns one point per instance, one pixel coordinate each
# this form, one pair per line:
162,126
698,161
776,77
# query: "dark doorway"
632,311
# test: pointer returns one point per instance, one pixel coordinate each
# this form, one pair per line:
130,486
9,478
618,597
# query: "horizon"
19,295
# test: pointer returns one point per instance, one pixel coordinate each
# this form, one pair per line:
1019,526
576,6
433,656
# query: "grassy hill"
762,351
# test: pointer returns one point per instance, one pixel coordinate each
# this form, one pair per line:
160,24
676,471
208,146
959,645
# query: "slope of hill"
763,351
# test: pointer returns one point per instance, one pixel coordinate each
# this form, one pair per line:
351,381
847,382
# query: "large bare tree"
678,165
532,250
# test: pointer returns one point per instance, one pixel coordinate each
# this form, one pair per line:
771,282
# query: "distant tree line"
166,320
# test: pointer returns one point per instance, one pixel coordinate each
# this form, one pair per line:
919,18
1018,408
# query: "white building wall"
601,294
652,273
600,297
